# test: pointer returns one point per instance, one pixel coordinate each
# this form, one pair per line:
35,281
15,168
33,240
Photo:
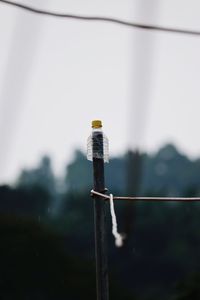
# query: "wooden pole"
100,217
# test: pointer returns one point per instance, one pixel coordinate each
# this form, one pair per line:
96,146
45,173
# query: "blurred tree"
188,289
42,176
167,170
31,202
35,264
78,173
164,246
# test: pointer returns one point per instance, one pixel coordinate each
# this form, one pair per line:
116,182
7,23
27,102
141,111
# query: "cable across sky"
102,19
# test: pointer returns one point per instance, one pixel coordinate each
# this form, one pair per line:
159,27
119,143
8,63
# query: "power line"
102,19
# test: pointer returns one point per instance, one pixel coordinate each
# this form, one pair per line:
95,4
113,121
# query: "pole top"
96,124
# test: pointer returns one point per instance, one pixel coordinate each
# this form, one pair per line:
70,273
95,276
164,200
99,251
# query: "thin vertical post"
100,218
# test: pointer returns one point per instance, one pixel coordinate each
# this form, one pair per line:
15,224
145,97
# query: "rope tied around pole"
118,237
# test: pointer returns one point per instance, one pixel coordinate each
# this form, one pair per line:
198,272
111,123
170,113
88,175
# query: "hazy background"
56,75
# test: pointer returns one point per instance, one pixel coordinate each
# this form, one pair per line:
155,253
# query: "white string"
117,235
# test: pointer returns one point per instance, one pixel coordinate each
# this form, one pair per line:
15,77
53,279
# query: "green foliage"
42,177
189,288
167,170
35,264
161,257
78,173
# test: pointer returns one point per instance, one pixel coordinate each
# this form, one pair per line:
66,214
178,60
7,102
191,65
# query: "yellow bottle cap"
96,124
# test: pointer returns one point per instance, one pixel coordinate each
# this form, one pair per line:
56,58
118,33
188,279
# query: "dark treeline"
47,245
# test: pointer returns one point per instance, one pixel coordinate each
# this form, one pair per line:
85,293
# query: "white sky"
56,75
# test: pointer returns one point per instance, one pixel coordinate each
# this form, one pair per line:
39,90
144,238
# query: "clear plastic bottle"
94,143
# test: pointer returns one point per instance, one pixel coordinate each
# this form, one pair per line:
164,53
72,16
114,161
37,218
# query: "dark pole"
100,217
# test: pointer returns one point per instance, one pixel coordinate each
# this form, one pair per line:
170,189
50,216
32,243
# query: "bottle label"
97,147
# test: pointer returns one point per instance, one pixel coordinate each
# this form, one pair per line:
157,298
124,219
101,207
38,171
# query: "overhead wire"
102,19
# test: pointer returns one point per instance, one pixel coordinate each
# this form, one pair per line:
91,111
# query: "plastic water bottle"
94,143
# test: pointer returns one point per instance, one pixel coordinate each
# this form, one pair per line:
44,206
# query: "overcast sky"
56,75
